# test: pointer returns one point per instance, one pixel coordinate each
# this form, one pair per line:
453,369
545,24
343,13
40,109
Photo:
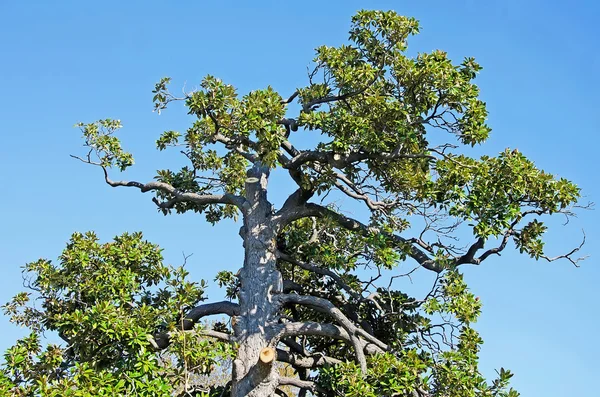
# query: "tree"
316,290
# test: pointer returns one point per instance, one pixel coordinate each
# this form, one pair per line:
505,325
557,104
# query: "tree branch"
332,331
325,306
218,335
289,285
310,328
326,272
311,209
291,98
301,361
341,161
302,384
237,146
568,255
162,340
333,98
200,199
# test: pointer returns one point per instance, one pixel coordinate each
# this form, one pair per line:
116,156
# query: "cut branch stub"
267,355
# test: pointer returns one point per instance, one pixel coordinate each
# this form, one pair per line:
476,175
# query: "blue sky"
68,61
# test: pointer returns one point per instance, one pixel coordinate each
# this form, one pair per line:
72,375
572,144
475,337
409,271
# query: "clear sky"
68,61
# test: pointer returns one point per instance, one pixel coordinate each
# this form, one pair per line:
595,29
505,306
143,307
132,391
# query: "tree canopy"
317,293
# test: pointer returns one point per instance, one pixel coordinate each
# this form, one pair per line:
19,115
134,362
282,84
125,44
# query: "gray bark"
260,284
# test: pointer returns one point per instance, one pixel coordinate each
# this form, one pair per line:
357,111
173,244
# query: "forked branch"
327,272
354,332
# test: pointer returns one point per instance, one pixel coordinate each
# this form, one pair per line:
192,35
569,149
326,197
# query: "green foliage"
99,137
435,350
497,192
376,110
104,301
455,299
388,375
399,91
366,97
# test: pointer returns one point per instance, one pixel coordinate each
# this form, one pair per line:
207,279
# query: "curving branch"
319,211
179,196
470,258
302,384
238,146
417,249
161,340
326,272
324,306
302,361
354,333
311,328
350,189
341,161
291,98
218,335
568,256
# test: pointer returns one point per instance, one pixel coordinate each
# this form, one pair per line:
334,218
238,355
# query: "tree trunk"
259,279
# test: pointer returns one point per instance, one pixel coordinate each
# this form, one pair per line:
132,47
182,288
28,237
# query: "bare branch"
329,273
218,335
312,329
302,384
341,161
161,340
179,196
291,98
301,361
568,256
469,257
325,306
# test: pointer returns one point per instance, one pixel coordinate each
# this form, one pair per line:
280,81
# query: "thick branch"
302,384
324,306
224,307
304,192
161,340
218,335
341,161
309,328
298,198
301,361
289,285
332,331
